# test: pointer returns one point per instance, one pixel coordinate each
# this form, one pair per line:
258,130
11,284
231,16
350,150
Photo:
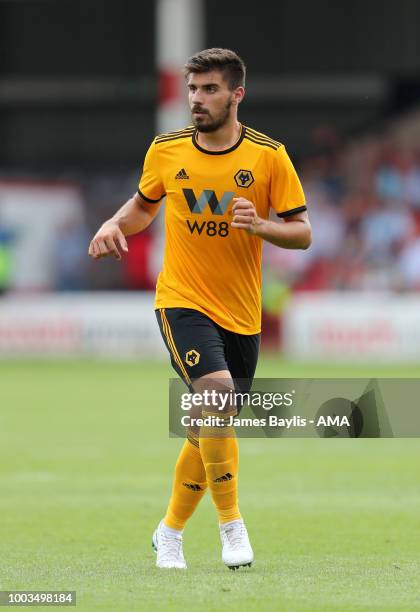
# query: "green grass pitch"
85,475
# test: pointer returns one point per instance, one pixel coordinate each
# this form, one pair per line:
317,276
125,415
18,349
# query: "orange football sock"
189,485
221,461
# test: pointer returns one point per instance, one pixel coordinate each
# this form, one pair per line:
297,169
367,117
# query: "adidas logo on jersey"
182,174
223,478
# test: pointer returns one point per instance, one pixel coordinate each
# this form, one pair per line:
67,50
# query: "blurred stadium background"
85,467
85,86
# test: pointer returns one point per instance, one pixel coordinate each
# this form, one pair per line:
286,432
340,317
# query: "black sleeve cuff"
150,199
294,211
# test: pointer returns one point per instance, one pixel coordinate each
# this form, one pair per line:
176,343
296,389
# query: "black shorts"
198,346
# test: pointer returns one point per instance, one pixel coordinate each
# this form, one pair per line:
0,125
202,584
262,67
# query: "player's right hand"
108,240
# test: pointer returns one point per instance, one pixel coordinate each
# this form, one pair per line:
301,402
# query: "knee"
218,397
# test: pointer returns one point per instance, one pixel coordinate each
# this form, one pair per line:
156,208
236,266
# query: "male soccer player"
220,179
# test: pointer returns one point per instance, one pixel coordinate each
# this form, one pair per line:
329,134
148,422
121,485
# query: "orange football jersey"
208,265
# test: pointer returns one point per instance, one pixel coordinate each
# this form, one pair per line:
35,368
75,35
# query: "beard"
208,123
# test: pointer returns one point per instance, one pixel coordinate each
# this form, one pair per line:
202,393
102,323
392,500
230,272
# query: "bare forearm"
290,235
131,218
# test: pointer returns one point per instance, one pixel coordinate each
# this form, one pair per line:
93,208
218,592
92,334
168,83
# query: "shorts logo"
244,178
192,357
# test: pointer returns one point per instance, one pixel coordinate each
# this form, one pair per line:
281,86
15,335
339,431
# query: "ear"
238,95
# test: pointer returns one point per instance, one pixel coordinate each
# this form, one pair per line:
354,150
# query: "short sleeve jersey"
208,265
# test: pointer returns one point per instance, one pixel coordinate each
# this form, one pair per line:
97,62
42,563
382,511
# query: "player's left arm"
293,232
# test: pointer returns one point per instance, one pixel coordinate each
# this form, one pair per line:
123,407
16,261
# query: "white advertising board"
353,327
108,325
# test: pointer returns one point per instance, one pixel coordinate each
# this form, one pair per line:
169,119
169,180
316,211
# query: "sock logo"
192,486
223,478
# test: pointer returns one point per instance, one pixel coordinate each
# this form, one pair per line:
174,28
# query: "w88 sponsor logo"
210,228
217,206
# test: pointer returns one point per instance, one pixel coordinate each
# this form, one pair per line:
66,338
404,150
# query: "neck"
223,138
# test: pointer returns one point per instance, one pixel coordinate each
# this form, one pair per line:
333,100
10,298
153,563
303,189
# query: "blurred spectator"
69,256
136,263
411,187
409,264
383,229
364,205
6,237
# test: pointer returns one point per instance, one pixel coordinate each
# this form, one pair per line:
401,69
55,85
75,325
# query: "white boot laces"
171,547
235,535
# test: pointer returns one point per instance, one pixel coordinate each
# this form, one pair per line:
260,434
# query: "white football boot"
167,543
237,549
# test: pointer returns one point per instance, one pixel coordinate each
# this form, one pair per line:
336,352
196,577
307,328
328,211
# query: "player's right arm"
133,217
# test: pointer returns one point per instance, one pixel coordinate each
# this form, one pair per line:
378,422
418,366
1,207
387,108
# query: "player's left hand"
245,216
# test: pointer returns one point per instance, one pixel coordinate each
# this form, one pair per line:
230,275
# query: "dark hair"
226,61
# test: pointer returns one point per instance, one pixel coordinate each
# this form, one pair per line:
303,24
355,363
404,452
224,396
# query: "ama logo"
217,207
